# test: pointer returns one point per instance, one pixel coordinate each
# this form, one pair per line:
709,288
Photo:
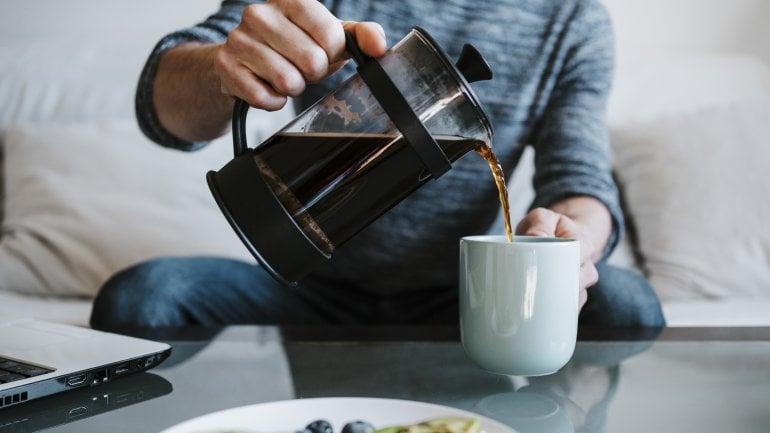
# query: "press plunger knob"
472,65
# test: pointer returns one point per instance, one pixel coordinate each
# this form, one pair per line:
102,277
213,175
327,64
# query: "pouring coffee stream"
498,174
401,120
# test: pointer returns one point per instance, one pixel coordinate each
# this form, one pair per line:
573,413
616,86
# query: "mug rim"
517,239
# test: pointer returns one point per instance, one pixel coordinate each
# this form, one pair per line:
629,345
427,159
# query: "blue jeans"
621,298
173,292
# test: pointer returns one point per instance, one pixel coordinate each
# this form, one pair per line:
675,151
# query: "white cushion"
80,61
75,311
85,200
650,87
697,186
735,311
67,81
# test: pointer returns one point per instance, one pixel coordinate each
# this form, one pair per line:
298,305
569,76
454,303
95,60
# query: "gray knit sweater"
553,62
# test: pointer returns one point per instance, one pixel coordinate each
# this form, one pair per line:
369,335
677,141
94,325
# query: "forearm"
592,217
187,93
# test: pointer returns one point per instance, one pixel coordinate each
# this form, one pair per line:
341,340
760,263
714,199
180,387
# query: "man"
553,69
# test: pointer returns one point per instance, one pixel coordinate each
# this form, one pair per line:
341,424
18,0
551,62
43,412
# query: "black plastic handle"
240,110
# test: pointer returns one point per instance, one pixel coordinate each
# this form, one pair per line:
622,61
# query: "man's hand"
277,49
282,45
581,218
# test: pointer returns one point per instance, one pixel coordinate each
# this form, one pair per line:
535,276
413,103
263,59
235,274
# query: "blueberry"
319,426
358,427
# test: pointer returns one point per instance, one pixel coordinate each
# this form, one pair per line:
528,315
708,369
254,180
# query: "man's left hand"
552,222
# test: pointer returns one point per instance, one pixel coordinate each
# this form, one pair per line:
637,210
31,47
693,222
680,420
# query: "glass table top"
700,380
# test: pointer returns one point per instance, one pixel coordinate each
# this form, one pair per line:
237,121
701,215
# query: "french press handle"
390,99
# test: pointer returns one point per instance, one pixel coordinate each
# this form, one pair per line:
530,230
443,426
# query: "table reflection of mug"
519,302
527,412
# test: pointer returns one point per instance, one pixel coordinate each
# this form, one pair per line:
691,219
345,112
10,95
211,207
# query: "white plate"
290,416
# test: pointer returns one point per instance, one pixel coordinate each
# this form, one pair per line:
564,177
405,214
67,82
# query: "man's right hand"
277,49
282,45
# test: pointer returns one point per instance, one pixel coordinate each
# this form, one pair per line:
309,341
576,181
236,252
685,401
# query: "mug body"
519,302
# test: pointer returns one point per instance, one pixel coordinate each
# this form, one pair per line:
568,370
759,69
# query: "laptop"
82,403
39,358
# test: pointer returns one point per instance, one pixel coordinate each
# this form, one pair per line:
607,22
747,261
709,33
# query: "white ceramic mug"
519,302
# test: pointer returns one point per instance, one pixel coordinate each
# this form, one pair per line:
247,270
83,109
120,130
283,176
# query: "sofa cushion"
84,200
696,186
649,87
71,310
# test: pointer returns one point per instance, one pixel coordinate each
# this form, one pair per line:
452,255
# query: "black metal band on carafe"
399,111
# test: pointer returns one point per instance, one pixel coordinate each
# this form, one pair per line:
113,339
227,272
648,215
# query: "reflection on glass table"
73,406
703,381
573,399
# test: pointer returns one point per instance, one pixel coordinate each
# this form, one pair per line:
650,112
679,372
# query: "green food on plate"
452,424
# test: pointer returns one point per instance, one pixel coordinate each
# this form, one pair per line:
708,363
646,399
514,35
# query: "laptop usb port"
76,380
122,368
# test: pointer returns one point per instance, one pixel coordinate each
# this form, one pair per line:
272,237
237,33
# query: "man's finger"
319,23
582,298
270,26
241,82
538,222
369,36
588,275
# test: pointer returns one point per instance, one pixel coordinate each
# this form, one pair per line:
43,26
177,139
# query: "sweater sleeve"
572,151
213,30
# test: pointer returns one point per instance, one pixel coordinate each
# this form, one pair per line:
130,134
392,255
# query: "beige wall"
642,26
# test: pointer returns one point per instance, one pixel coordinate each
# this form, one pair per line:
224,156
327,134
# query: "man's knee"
141,295
622,298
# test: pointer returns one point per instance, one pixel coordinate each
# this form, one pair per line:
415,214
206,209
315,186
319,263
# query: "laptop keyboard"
15,370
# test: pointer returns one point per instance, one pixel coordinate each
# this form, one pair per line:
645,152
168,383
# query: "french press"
400,121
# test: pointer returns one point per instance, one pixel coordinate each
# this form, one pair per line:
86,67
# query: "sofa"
84,194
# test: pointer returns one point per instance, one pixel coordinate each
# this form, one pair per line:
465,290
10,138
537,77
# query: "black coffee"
334,184
499,175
